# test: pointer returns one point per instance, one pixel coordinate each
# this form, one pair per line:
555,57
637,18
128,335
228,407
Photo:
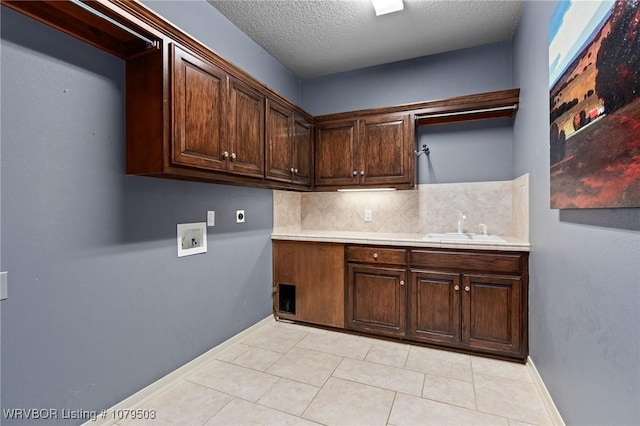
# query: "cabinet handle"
362,173
233,155
401,282
355,173
375,255
456,287
466,288
225,154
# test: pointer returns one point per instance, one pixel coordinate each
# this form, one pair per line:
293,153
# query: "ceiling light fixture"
383,7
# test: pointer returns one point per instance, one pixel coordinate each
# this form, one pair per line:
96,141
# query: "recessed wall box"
192,238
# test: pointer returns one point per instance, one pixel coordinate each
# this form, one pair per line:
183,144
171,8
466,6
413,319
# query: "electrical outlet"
240,216
211,218
192,238
367,216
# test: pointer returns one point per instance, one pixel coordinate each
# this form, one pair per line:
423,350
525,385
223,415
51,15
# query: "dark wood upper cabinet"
246,130
336,153
367,151
302,142
199,91
289,141
386,150
193,115
278,152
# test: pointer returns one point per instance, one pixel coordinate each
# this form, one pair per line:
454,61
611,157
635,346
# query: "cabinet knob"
295,170
401,282
361,172
355,173
375,255
456,287
225,154
466,288
233,155
291,170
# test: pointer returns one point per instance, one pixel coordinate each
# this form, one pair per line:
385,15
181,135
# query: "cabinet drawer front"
377,255
467,262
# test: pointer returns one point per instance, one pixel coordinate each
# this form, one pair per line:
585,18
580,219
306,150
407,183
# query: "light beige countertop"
389,239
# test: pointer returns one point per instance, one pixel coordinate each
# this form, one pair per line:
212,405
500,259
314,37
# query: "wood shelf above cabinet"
478,106
101,24
482,106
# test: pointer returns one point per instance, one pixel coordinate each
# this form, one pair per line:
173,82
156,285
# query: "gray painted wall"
210,27
477,151
463,72
100,306
585,266
468,152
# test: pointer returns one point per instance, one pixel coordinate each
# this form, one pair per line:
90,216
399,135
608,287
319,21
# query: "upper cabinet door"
386,149
302,144
199,91
246,130
279,147
336,153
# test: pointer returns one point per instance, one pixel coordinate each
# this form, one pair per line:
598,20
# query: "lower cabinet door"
376,299
492,309
434,306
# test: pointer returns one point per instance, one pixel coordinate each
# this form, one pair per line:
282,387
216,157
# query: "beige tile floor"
286,374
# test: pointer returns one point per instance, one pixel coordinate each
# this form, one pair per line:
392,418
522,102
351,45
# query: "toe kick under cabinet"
473,301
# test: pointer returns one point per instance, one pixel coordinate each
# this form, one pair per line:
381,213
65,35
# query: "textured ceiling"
319,37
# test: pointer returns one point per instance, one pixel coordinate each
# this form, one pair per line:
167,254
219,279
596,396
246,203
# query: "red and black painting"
594,80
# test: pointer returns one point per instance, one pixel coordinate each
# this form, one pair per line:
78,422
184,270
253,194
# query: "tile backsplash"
503,206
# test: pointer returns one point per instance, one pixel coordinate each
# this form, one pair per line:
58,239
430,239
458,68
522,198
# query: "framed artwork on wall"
594,101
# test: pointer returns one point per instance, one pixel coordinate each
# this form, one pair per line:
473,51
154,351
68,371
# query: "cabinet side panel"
317,271
144,111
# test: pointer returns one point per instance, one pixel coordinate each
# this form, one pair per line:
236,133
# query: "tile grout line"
395,395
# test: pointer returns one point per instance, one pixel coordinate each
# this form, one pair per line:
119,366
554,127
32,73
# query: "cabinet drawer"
488,263
376,255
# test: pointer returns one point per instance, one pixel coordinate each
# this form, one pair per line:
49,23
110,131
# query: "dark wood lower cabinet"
468,300
434,307
492,313
376,299
312,275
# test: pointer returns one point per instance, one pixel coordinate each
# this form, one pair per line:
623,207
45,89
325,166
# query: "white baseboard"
107,418
554,414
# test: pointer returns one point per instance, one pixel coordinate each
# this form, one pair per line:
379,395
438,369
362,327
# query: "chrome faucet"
461,219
